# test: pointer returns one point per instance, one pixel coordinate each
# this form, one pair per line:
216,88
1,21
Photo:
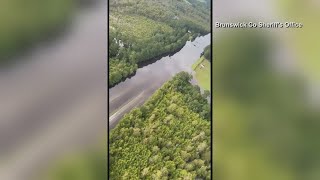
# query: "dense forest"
166,138
141,30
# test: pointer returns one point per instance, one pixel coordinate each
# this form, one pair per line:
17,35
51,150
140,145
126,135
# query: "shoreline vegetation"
140,31
147,62
202,69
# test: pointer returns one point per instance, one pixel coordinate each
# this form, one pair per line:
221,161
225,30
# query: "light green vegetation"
166,138
197,63
141,30
202,68
138,28
306,41
23,23
202,74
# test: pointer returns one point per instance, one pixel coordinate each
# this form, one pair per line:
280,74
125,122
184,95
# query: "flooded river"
135,90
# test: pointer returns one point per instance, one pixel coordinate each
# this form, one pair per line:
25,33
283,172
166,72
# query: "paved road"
52,100
136,90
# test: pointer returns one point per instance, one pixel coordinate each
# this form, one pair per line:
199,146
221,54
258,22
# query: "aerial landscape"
159,89
148,66
142,30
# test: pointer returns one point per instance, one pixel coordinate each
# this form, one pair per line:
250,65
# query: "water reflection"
151,76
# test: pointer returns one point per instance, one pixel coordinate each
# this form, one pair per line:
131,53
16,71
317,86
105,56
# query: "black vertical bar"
108,157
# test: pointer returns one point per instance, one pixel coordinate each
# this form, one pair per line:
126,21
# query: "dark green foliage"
141,30
206,93
207,53
166,138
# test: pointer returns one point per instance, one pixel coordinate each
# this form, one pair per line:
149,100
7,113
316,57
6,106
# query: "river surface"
137,89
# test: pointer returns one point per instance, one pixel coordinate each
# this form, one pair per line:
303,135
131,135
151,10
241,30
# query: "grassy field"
202,75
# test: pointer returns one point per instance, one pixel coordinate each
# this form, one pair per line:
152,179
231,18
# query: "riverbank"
150,77
140,32
202,72
146,62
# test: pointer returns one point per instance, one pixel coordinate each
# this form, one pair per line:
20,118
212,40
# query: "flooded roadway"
136,90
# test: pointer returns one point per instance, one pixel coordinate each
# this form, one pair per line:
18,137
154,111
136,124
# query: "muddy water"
134,91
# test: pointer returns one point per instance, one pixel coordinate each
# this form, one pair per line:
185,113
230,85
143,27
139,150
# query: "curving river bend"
136,90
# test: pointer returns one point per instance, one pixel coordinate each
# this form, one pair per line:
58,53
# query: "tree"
206,94
207,53
174,136
148,29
